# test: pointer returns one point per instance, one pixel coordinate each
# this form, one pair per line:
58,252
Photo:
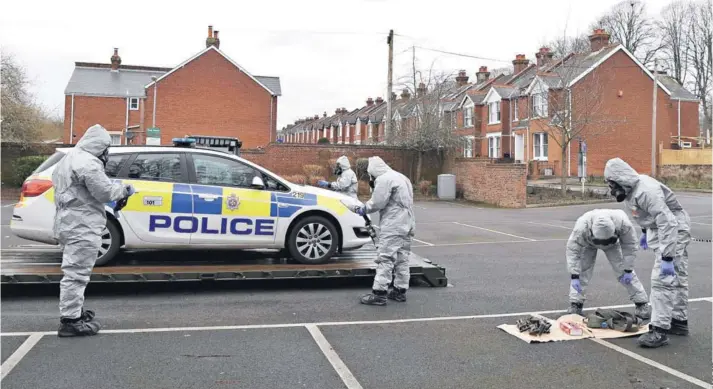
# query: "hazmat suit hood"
377,167
620,172
603,227
343,162
95,141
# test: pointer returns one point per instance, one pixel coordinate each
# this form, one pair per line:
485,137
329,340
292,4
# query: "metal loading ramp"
43,267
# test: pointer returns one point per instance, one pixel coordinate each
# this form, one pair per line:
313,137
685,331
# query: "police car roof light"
184,142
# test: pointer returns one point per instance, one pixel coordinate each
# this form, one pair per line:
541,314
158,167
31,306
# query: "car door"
230,211
161,211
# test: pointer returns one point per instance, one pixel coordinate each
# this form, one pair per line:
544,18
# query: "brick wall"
503,185
686,173
110,112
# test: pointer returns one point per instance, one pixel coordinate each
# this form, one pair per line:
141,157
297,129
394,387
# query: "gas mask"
617,191
371,181
605,242
104,157
337,170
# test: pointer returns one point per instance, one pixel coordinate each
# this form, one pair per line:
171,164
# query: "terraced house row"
604,95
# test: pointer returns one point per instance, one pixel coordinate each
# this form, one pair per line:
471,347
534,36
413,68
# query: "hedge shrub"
23,168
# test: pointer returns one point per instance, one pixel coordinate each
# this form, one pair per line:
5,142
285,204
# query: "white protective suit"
582,251
654,207
393,199
347,182
82,189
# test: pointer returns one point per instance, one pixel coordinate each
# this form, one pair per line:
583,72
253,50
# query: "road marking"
333,323
494,242
20,353
652,363
9,205
493,231
347,377
420,241
551,225
461,205
705,224
702,216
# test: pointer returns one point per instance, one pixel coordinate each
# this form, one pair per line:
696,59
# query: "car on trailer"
196,198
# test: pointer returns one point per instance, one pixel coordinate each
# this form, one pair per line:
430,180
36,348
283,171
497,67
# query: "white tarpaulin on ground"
557,335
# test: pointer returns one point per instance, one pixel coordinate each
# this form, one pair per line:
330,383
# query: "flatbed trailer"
43,267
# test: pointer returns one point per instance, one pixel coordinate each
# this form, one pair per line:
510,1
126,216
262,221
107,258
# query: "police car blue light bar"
184,142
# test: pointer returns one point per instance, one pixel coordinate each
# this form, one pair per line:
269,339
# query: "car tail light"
35,187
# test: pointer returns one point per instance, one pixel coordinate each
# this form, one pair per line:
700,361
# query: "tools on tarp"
534,325
613,319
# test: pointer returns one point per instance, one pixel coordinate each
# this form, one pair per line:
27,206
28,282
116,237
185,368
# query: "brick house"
208,94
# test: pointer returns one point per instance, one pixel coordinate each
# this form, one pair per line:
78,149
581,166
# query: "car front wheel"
109,245
313,240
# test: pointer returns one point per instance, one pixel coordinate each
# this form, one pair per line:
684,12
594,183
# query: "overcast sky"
328,54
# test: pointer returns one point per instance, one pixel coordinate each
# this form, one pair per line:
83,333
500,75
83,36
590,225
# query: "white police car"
193,198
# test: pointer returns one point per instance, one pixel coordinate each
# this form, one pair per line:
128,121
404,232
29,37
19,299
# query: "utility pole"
413,60
653,121
387,124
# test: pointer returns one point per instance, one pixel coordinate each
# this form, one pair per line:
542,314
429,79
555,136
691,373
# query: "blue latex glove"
322,183
130,190
667,269
361,211
626,278
642,242
577,285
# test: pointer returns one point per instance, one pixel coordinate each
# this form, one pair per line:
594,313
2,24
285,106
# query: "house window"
539,105
454,119
468,117
494,112
515,118
540,144
115,139
494,147
468,148
134,103
371,130
324,133
358,129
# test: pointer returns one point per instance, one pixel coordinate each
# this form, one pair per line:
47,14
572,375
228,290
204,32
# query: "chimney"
405,94
520,63
393,96
544,57
217,41
325,114
210,41
462,78
337,111
115,60
369,102
599,39
379,100
316,117
421,91
482,75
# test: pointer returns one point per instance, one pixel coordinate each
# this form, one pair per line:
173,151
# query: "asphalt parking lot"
501,264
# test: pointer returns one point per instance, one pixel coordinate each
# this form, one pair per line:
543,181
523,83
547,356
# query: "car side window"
218,171
114,164
156,167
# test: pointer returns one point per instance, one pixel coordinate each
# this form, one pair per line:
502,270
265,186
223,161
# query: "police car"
198,199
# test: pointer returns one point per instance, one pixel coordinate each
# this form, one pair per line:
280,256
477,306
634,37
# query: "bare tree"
700,55
674,28
20,117
629,25
569,112
564,45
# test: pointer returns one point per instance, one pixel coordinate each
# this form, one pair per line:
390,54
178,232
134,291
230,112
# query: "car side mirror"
258,183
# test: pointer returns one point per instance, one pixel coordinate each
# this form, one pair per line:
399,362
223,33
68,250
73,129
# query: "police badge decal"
233,202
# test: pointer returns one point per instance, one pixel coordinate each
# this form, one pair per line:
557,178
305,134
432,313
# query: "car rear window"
49,162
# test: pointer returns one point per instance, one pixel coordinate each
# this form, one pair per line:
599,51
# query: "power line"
463,55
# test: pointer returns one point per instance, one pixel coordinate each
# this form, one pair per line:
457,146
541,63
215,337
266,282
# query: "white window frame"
468,113
542,148
468,147
113,134
131,102
494,145
331,134
494,114
358,129
540,105
370,131
515,118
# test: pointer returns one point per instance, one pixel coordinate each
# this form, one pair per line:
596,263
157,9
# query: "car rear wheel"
111,240
313,240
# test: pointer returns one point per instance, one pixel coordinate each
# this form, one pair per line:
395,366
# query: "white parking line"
495,242
652,363
551,225
420,241
332,323
461,205
702,216
705,224
20,353
347,377
493,231
9,205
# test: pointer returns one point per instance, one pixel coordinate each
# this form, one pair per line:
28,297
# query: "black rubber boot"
377,297
397,294
643,311
575,308
84,325
679,327
656,337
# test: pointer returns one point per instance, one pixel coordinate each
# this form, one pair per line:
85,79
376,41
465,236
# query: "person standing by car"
82,189
393,199
347,182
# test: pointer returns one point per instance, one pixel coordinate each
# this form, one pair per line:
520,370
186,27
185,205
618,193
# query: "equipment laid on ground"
535,326
571,328
613,319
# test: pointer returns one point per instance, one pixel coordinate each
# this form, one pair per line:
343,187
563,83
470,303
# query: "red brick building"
208,94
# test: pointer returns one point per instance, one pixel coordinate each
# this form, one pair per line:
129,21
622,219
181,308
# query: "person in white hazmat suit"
347,182
392,197
666,229
81,190
611,231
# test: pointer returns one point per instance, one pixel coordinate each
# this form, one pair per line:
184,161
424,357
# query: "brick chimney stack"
462,78
325,114
217,41
520,63
482,75
544,56
115,60
393,96
421,90
379,100
369,102
405,94
210,40
599,39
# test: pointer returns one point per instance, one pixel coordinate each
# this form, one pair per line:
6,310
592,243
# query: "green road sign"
153,132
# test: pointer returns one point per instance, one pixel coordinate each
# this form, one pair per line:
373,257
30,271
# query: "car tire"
310,237
111,240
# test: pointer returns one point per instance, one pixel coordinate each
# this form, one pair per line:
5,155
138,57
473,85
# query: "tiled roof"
101,81
677,91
